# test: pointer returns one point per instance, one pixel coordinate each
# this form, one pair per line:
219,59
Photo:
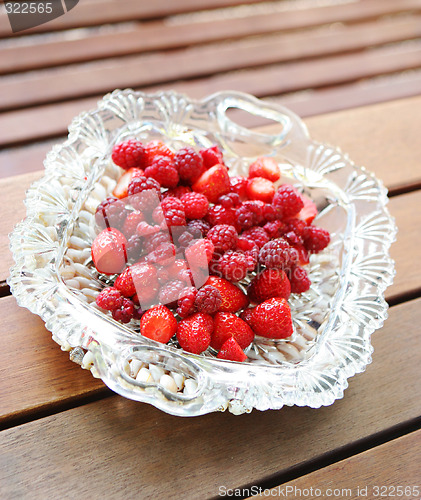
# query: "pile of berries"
179,234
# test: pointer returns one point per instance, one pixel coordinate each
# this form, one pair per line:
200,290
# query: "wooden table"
63,433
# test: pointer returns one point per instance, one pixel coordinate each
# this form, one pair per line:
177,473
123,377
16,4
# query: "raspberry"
272,319
153,241
177,192
295,225
256,234
162,170
196,205
111,213
278,253
184,240
125,312
144,193
239,186
158,324
248,247
223,237
270,213
229,200
189,165
300,282
156,148
234,265
170,292
194,332
293,239
143,183
199,253
275,229
220,215
134,248
208,299
269,283
173,210
249,214
185,304
145,229
131,223
288,201
129,154
198,228
163,254
109,299
315,238
211,156
228,325
231,351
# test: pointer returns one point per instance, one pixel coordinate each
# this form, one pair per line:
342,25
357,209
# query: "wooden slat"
112,448
158,35
368,474
82,80
35,374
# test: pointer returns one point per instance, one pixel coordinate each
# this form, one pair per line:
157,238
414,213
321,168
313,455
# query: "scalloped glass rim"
73,168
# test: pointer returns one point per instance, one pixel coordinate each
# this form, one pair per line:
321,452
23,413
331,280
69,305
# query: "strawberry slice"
233,299
265,167
231,351
213,183
158,324
309,212
109,251
120,191
259,188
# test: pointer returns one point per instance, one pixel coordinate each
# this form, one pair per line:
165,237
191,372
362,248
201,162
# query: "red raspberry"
177,192
288,201
158,324
185,304
183,240
153,240
256,234
220,215
208,299
300,282
162,170
249,214
156,148
163,254
129,154
265,167
131,223
272,319
175,270
211,156
223,237
198,228
248,247
125,312
233,299
134,248
196,205
194,332
170,292
270,213
144,193
315,238
295,225
143,183
269,283
278,254
239,186
189,165
231,351
199,253
173,210
227,325
229,200
109,299
120,190
275,229
234,265
111,213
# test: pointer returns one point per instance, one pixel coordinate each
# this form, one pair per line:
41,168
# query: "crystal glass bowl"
54,277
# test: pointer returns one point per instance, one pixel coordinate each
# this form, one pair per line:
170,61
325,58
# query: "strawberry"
259,188
233,299
120,191
303,257
272,319
213,182
211,156
231,351
265,167
158,324
108,251
227,325
194,332
238,185
309,212
154,149
140,279
269,283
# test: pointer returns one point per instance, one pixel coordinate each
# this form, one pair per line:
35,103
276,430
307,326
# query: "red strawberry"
231,351
260,188
140,279
309,212
156,148
109,251
272,319
226,325
158,324
233,299
265,167
194,332
120,191
269,283
200,253
303,257
211,156
213,182
238,185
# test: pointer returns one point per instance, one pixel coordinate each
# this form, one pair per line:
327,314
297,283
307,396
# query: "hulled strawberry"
227,325
158,324
213,182
194,332
269,283
233,299
272,319
108,251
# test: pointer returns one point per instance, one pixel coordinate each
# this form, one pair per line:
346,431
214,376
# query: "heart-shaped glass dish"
54,277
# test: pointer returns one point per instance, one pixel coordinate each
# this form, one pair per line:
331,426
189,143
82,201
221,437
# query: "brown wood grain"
123,447
367,474
35,373
58,49
72,81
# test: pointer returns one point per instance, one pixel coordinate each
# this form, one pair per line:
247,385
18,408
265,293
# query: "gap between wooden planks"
123,446
61,49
